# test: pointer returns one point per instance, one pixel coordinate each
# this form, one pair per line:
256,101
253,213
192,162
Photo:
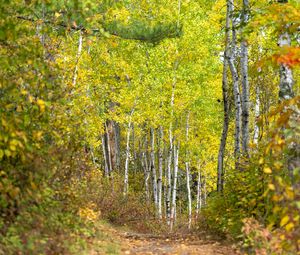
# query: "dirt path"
138,244
143,244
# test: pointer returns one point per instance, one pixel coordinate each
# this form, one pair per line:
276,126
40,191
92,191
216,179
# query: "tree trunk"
160,172
220,181
146,171
205,190
236,91
187,167
169,183
127,155
105,157
79,50
108,148
169,187
257,113
174,194
199,194
245,83
153,169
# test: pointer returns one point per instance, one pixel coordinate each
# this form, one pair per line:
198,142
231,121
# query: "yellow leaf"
284,220
41,104
289,194
271,186
289,226
261,161
267,170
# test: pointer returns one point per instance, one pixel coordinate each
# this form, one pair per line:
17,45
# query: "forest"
149,127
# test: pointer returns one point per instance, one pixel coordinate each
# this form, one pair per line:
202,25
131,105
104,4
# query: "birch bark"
257,113
174,193
187,167
106,167
169,185
160,171
79,50
220,181
153,169
235,79
126,185
245,83
199,194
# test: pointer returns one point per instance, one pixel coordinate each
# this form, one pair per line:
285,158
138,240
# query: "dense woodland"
166,116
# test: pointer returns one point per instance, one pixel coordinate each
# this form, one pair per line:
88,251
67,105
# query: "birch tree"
245,82
220,181
160,171
174,188
153,169
187,168
235,79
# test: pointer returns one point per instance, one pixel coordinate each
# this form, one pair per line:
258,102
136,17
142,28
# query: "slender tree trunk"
165,183
153,169
79,50
220,181
187,167
236,91
146,171
160,171
134,150
117,138
169,185
127,160
106,167
108,149
174,194
127,155
199,194
257,113
245,83
237,101
205,190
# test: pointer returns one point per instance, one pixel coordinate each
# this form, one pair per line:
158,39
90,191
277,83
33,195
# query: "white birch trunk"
245,83
153,169
146,176
79,50
199,194
126,185
220,180
257,113
106,168
236,90
127,160
146,171
108,150
174,194
160,172
169,184
187,167
205,190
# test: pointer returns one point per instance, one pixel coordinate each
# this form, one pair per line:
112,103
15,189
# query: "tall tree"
245,82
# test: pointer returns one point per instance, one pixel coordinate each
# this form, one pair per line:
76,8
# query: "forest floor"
119,241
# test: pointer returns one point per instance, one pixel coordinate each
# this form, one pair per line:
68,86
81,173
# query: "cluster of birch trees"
236,79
